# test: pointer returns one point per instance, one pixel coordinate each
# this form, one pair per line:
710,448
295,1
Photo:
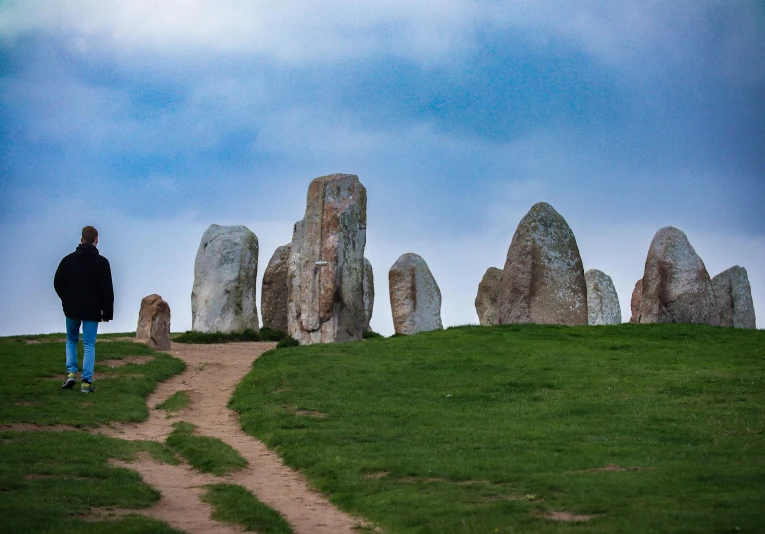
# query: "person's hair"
89,234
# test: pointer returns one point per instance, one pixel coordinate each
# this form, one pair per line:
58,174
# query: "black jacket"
83,281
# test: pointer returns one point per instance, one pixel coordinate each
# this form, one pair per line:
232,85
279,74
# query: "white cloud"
286,30
723,37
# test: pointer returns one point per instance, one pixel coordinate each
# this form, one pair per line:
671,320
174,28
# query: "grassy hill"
630,428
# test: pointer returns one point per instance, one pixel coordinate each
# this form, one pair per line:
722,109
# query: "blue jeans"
89,331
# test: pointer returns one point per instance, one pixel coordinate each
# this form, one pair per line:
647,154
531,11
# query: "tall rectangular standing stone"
326,267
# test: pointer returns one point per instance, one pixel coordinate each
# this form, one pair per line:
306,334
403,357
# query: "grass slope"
33,394
235,504
481,429
209,455
49,481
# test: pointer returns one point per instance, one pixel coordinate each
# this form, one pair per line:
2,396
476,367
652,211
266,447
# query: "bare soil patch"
212,372
181,487
311,413
614,467
565,516
505,498
379,475
38,341
125,361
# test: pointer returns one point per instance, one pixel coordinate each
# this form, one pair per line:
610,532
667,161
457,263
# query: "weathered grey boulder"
734,298
676,284
154,323
487,299
637,295
224,295
543,279
325,274
273,293
602,300
369,293
415,299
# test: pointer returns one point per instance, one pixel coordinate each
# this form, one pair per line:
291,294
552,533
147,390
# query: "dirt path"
211,374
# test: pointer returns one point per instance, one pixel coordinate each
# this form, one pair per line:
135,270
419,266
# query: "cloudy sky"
152,120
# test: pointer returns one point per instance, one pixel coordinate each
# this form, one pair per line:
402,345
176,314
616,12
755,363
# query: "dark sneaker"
87,387
71,380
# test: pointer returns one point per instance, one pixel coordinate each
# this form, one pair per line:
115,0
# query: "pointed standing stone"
676,284
734,298
602,300
273,292
637,296
415,299
154,323
325,273
225,270
369,293
543,279
487,299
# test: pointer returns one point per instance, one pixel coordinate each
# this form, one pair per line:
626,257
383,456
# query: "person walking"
83,282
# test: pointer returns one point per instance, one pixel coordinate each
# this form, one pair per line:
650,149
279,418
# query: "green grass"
175,402
234,504
203,338
209,455
33,393
49,481
288,342
479,429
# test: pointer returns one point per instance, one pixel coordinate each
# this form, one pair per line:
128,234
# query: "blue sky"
153,120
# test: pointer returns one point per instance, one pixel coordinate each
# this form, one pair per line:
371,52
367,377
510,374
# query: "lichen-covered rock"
734,298
224,295
154,323
325,273
273,292
369,293
676,284
487,299
543,279
637,295
415,299
602,300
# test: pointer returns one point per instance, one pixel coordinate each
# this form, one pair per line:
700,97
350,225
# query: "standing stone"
273,293
543,279
325,274
415,298
676,284
602,300
225,270
154,323
637,295
369,293
734,298
487,299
